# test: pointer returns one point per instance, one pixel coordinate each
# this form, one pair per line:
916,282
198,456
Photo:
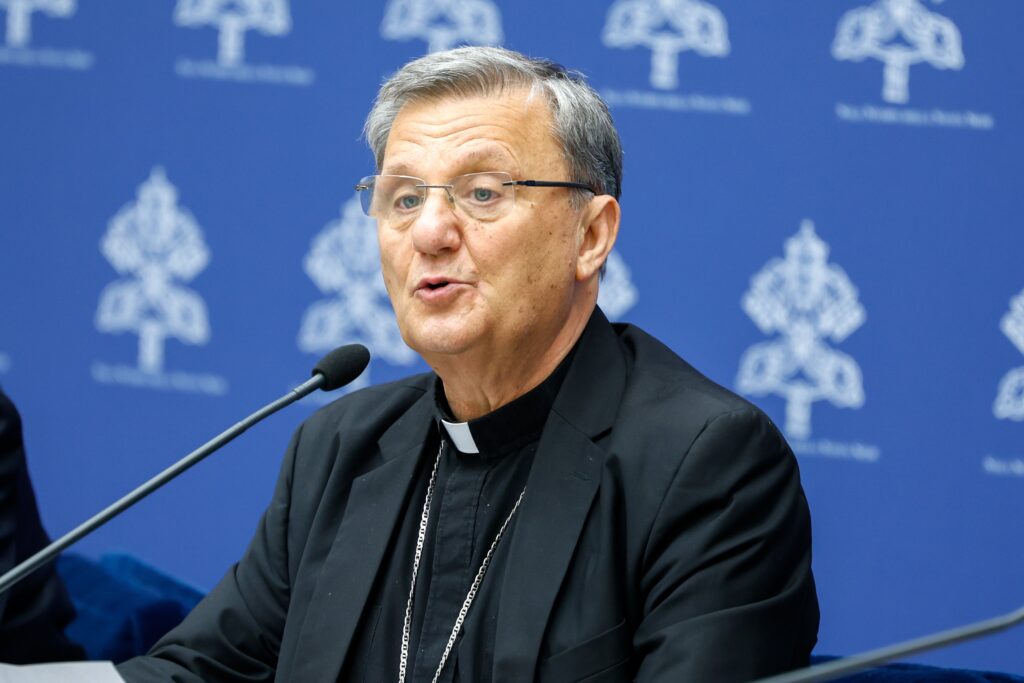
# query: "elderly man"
562,499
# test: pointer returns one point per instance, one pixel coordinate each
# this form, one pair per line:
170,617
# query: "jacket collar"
597,373
564,478
346,579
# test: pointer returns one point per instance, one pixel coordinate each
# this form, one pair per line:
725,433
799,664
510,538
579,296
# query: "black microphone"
336,369
848,665
341,366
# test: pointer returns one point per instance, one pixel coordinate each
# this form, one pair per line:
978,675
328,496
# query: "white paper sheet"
60,672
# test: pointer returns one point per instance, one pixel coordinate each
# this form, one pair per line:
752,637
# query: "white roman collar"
461,436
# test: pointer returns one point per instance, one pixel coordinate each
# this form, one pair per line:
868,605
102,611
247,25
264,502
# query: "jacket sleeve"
727,588
235,633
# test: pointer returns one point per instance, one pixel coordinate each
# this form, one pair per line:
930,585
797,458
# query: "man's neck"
476,384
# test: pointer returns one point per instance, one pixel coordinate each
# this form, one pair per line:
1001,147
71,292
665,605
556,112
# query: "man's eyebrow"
397,169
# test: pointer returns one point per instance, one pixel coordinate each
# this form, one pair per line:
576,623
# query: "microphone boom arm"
49,552
848,665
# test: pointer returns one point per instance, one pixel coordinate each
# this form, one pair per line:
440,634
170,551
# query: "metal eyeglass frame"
448,187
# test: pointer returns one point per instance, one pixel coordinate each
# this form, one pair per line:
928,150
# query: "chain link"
470,596
407,626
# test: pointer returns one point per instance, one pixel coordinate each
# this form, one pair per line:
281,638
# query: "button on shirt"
473,495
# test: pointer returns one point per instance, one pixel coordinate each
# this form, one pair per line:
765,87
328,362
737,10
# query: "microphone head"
342,365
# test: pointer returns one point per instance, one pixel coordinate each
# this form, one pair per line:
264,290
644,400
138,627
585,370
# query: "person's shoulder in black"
35,611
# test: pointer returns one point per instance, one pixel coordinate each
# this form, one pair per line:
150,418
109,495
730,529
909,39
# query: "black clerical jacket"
34,612
663,536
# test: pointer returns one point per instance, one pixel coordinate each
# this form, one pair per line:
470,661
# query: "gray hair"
582,123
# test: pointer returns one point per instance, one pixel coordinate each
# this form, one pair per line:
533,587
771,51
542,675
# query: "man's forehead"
493,128
515,107
484,154
522,98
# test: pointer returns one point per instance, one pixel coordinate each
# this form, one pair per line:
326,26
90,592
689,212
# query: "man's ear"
600,227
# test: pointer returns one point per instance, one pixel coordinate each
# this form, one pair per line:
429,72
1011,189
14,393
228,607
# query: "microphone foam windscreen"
342,365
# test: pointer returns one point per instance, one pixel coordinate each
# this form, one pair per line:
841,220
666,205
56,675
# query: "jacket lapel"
565,476
348,573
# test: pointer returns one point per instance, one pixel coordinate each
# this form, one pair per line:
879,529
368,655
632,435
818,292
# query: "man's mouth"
432,284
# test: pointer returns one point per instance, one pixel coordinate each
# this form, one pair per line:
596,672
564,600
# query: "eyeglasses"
396,200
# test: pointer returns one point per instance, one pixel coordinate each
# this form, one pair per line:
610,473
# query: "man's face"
461,285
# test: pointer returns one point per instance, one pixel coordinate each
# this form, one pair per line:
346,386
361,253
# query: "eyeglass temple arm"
551,183
528,183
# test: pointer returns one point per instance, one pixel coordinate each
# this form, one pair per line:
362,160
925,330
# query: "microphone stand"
49,552
848,665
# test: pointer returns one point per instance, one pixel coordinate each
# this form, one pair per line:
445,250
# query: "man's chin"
439,341
440,348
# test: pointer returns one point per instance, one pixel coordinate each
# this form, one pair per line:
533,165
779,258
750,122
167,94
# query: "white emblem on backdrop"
443,23
232,18
667,28
344,262
155,245
809,302
900,34
616,294
1009,403
19,34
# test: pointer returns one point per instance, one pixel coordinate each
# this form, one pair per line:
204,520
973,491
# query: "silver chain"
407,626
420,538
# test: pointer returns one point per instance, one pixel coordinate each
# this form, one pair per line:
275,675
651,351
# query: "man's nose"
436,228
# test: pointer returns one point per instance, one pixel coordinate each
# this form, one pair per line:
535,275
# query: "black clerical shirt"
473,495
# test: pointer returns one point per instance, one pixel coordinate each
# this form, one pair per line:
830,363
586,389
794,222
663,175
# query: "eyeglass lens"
396,200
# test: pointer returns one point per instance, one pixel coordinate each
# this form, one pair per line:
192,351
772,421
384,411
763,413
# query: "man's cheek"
392,287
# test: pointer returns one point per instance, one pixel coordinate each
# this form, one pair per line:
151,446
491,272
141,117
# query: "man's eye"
484,195
408,202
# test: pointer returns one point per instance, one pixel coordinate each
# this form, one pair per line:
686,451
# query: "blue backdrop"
821,210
